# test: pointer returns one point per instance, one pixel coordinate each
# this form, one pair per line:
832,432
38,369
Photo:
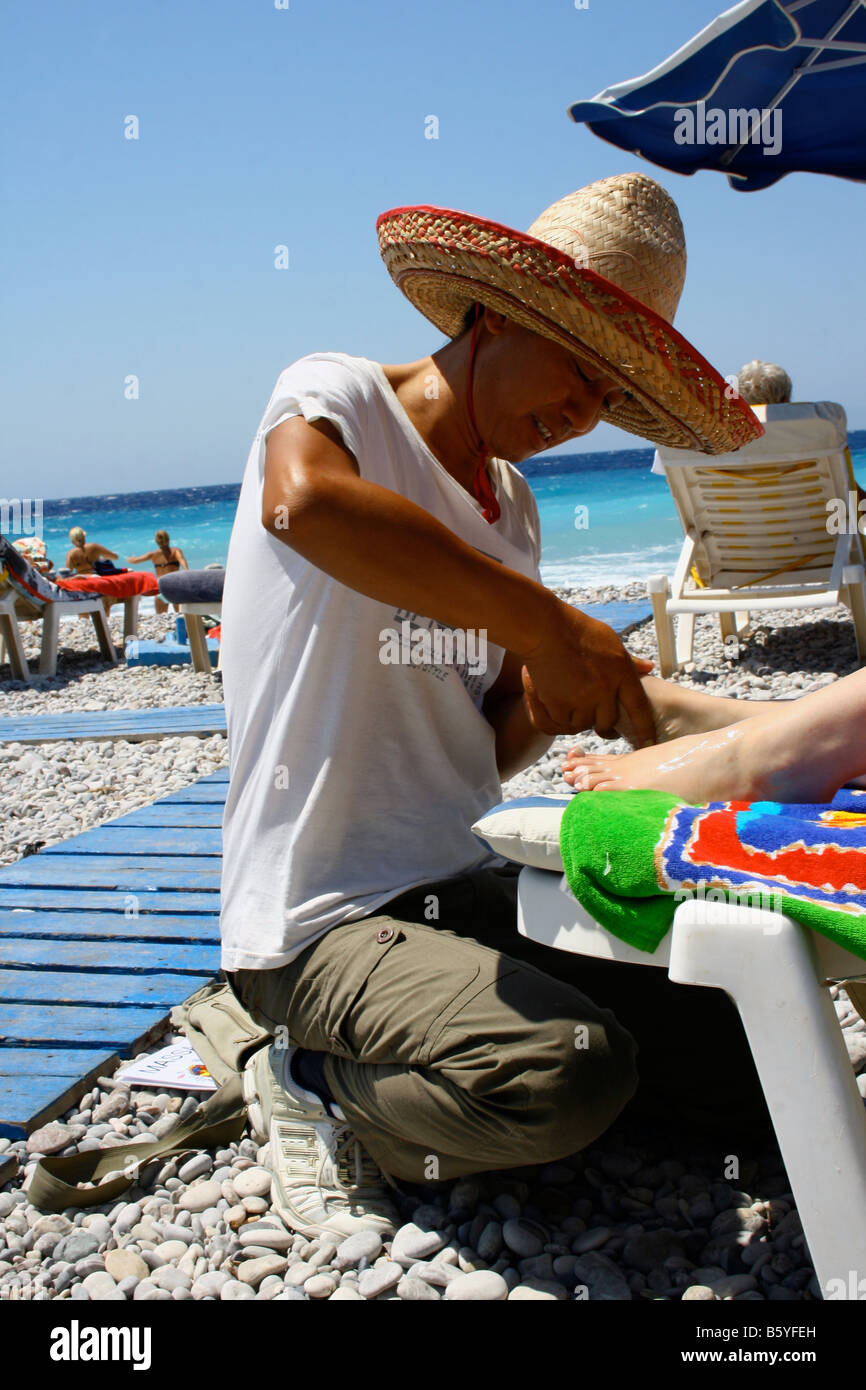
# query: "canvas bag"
225,1037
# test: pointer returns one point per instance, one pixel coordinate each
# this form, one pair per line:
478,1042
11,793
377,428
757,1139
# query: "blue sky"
261,126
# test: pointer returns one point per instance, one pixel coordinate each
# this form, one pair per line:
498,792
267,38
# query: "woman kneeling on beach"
417,1035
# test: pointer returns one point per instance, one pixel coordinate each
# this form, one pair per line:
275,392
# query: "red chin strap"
482,489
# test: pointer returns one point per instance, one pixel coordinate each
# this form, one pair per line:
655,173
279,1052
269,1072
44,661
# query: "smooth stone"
490,1241
99,1284
415,1290
254,1271
380,1279
434,1272
522,1237
171,1250
698,1293
128,1216
76,1246
411,1244
482,1286
170,1231
591,1240
147,1292
235,1292
195,1167
298,1274
209,1284
538,1290
257,1233
733,1284
343,1294
651,1248
320,1286
98,1226
161,1128
116,1105
256,1206
47,1225
252,1182
362,1245
507,1205
736,1220
603,1280
53,1137
125,1264
170,1278
200,1197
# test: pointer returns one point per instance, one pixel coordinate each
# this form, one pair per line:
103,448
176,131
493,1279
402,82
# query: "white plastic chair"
14,609
775,971
758,529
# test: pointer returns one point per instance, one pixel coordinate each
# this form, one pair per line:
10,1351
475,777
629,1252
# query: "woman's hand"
580,676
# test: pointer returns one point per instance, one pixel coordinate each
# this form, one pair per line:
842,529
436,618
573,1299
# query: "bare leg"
802,750
679,710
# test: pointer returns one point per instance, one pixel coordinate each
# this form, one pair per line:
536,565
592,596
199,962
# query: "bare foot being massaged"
714,749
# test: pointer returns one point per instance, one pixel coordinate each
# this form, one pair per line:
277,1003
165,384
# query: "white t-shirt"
354,774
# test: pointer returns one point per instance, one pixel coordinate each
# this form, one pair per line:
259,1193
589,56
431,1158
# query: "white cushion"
525,830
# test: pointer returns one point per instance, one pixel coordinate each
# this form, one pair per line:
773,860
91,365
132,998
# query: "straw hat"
601,272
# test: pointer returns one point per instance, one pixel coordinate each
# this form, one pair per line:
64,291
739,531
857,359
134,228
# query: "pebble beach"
639,1215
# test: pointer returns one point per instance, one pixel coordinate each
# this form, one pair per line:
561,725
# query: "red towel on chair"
113,585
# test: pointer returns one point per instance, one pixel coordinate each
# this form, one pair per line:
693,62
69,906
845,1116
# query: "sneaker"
323,1182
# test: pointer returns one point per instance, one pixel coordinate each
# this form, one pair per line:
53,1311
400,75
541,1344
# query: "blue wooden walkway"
131,724
622,617
100,936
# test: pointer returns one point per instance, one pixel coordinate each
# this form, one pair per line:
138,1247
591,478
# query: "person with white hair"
764,383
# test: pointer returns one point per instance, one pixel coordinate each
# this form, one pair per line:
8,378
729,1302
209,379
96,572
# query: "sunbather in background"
715,749
168,559
84,553
766,383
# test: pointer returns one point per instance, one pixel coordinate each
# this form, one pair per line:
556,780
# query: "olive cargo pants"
454,1045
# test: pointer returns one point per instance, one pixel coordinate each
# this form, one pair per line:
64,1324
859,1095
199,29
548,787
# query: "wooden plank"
50,898
78,1025
58,988
99,937
103,725
130,872
133,840
192,816
115,927
622,617
58,1061
33,954
31,1098
197,795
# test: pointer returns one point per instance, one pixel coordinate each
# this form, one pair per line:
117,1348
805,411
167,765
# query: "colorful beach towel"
631,857
124,584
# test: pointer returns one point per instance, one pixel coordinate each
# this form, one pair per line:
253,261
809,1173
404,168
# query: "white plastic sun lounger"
761,530
775,971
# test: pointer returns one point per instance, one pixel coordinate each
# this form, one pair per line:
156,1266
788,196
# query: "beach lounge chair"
762,530
126,587
27,596
775,971
196,593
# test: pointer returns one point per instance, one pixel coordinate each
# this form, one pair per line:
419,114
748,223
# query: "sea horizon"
606,519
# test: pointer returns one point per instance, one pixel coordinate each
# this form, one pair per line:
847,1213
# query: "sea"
606,519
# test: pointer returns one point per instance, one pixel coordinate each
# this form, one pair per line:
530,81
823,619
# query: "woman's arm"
576,672
518,743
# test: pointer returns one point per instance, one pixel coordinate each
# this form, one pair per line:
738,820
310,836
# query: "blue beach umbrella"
769,88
